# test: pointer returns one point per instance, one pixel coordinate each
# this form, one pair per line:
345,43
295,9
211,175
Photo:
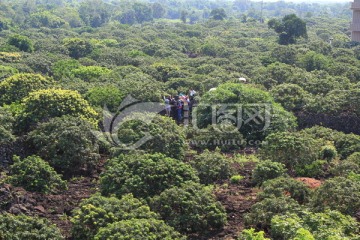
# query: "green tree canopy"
42,105
97,212
289,28
144,175
67,143
34,174
189,208
25,227
18,86
138,229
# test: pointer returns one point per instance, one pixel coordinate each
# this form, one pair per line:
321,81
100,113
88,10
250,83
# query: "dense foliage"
162,134
24,227
67,143
18,86
34,174
190,208
42,105
97,212
144,175
275,84
212,166
138,228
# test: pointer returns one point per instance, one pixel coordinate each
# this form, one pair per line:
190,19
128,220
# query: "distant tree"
218,14
95,13
289,29
314,61
108,95
184,15
291,96
158,10
262,212
46,19
127,17
143,12
78,47
4,24
23,43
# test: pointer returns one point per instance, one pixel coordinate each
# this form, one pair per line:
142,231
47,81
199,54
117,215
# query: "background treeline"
96,13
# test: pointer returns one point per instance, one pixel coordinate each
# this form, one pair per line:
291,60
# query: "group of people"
179,107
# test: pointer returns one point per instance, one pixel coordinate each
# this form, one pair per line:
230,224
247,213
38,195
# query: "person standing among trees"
167,105
179,108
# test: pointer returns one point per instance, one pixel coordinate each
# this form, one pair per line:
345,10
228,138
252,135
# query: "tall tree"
218,14
289,28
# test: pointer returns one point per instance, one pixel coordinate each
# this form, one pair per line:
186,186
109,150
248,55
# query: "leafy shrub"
285,226
139,85
10,57
18,86
97,212
6,126
63,68
6,71
328,152
144,175
303,234
339,194
226,99
236,179
90,73
345,144
294,150
211,166
355,158
45,19
138,229
266,170
330,223
42,105
354,176
344,168
315,169
250,234
24,227
109,95
78,47
23,43
291,96
281,186
165,135
34,174
262,212
189,208
224,136
67,143
314,61
327,225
